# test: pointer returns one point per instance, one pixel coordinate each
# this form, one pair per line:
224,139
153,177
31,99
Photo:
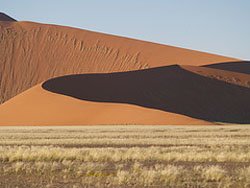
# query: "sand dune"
31,53
163,95
55,75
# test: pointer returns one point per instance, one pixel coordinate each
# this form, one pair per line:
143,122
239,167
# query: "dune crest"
5,17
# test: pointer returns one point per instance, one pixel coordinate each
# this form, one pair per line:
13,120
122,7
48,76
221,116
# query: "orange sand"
40,107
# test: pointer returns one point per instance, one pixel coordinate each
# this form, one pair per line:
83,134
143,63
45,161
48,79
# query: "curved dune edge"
31,53
40,107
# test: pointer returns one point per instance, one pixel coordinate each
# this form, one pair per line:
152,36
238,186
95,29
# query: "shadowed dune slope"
31,53
163,95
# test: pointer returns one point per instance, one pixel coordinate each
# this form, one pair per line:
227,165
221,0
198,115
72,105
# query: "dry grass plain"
125,156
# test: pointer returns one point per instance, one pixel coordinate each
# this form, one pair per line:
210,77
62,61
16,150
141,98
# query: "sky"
215,26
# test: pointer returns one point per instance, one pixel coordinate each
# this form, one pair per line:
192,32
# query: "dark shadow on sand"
170,88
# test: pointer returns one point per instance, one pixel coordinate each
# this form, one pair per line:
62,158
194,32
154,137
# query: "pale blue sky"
216,26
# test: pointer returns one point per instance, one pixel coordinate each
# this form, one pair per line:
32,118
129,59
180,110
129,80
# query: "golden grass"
121,156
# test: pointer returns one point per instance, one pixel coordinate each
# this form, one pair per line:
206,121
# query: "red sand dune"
31,53
132,81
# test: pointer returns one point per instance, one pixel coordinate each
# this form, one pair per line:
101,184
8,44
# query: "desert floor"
125,156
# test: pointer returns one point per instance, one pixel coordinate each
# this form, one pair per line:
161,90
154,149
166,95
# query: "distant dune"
4,17
241,67
235,78
71,76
